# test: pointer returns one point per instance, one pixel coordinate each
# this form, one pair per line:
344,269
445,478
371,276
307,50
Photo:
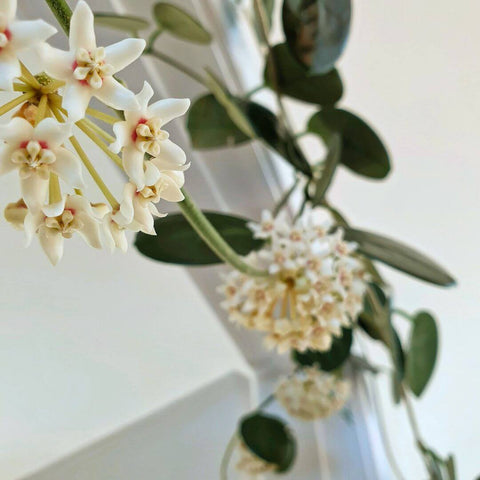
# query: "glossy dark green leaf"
328,170
210,126
269,439
126,23
331,360
317,31
180,23
294,80
422,352
362,150
399,256
176,241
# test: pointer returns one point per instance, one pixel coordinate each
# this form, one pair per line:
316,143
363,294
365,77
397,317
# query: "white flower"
16,36
87,69
141,133
316,286
35,152
137,208
269,225
76,215
313,394
250,464
15,214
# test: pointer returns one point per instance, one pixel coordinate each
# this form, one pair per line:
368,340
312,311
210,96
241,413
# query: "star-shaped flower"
16,36
35,152
88,69
142,132
76,216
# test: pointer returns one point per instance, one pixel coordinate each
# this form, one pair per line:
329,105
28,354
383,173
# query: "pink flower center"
42,143
142,121
74,67
8,35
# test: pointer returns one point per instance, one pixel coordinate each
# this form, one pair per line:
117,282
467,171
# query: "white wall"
412,69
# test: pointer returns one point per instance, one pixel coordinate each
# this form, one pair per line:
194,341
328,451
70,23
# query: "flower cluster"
315,287
38,138
312,394
250,464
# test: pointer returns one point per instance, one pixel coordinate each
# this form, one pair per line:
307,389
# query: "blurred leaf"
328,170
230,103
269,6
180,23
295,81
126,23
450,466
176,241
269,439
330,360
210,126
399,256
362,150
422,353
317,31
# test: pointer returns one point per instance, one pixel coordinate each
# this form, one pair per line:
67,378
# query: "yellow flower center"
33,156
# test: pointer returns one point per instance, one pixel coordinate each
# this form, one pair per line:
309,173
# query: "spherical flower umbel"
38,139
312,394
316,285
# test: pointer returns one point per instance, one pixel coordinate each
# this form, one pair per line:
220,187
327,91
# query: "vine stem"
175,64
227,456
214,240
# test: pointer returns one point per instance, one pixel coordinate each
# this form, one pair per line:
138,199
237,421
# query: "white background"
99,340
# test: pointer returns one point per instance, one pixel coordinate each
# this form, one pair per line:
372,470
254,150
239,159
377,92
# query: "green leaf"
295,81
328,169
362,150
269,439
210,126
180,23
422,353
176,241
317,31
450,466
331,360
399,256
269,6
125,23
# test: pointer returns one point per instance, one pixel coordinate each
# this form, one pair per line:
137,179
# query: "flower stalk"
213,239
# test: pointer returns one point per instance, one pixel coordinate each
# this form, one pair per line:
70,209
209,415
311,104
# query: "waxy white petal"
55,62
16,131
82,32
126,207
172,153
31,225
6,164
30,33
76,99
55,209
133,165
115,95
68,167
171,191
9,70
123,136
8,8
52,132
52,243
34,191
169,108
90,230
123,53
144,96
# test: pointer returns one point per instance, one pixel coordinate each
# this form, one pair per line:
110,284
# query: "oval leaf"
399,256
210,125
180,23
294,80
331,360
317,31
126,23
422,353
269,439
362,150
176,241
